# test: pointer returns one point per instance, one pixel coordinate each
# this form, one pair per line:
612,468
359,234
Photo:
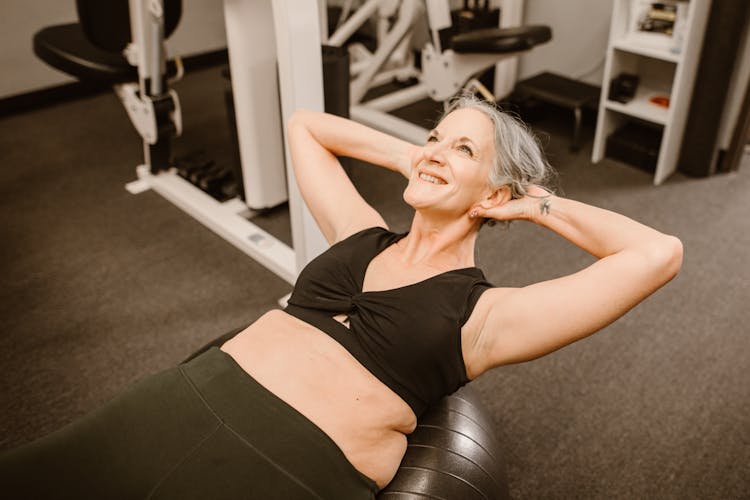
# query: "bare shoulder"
367,220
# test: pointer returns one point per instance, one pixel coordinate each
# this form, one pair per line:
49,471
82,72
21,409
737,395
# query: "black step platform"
561,91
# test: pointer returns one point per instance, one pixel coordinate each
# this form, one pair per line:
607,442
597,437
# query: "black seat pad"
65,47
500,40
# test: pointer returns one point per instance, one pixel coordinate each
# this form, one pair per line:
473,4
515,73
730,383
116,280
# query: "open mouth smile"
431,178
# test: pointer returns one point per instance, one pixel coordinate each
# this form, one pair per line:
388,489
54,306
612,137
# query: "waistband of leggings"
268,423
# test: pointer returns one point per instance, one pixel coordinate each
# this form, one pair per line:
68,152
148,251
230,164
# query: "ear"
496,198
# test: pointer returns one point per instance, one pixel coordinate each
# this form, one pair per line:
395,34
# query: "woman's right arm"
315,140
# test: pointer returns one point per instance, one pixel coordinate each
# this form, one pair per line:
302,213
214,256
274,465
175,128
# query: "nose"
433,153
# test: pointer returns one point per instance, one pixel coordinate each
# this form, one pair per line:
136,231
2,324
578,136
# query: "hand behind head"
537,200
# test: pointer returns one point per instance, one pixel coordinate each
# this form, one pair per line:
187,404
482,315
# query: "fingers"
497,213
512,210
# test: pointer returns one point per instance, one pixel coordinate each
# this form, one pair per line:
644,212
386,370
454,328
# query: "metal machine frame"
443,73
261,35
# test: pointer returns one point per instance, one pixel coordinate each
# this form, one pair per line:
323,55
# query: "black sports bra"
408,337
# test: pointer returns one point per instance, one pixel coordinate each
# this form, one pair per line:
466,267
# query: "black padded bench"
500,40
561,91
92,48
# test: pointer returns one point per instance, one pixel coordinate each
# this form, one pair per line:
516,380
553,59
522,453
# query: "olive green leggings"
203,430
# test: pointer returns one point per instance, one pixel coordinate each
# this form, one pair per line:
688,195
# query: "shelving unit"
665,65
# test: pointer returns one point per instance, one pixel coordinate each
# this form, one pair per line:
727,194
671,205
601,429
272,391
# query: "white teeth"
430,178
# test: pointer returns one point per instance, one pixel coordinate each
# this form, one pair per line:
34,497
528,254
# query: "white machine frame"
443,73
261,35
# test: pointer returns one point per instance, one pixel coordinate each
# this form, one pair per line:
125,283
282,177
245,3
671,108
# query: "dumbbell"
213,180
189,167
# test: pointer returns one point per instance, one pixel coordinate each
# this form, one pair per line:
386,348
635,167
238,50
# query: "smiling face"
451,175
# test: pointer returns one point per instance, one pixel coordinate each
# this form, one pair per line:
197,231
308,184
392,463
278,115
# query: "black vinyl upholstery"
65,47
92,48
500,40
107,24
453,453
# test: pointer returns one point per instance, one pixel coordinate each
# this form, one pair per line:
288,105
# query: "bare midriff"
318,377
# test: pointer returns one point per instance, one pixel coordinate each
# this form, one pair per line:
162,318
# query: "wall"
580,32
19,20
201,30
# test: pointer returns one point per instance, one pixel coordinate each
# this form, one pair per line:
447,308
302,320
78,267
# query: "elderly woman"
316,401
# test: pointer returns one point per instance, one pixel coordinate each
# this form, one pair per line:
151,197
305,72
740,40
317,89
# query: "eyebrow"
466,139
460,139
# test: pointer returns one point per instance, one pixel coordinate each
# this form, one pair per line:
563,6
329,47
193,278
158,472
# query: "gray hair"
519,161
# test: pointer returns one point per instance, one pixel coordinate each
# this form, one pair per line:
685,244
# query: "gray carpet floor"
101,287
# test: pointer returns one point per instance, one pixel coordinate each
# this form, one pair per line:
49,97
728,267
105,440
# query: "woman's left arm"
634,260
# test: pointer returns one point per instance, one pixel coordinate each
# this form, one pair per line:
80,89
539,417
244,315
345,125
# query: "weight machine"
448,63
260,36
275,59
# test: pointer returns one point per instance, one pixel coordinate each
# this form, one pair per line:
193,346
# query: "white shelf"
643,48
660,70
640,107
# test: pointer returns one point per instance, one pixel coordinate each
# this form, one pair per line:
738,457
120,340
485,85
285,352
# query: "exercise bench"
561,91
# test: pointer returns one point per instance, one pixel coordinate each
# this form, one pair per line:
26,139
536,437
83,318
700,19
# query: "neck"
440,244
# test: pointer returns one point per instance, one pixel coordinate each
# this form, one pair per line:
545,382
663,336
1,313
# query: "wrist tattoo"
545,206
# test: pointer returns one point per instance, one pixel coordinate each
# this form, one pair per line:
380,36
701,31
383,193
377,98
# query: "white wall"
19,20
580,31
200,30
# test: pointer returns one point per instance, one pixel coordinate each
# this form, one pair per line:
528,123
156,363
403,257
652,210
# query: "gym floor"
101,287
